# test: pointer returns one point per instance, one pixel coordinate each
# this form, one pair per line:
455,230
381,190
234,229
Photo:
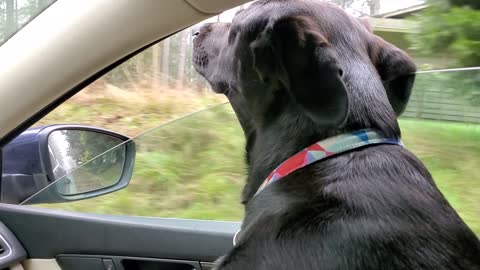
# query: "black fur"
297,72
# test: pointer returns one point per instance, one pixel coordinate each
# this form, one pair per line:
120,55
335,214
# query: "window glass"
194,167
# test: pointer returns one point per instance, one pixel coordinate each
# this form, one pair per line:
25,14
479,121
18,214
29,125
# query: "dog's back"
375,208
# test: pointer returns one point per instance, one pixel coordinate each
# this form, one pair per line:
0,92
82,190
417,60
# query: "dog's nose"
196,31
199,28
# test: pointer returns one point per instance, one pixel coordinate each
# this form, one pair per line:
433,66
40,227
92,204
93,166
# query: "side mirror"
61,163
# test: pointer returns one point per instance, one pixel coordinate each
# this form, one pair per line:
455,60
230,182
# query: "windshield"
15,14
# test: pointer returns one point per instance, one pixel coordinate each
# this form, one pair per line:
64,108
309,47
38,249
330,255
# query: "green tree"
446,28
475,4
451,30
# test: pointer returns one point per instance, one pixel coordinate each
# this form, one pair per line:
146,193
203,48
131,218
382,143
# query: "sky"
392,5
385,6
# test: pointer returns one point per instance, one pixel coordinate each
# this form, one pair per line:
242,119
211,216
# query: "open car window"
194,167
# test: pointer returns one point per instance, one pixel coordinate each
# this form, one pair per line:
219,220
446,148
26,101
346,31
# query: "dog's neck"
327,148
269,147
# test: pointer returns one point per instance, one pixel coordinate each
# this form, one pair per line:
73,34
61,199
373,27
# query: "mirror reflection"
70,149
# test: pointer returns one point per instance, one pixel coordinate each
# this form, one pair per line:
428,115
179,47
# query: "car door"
64,240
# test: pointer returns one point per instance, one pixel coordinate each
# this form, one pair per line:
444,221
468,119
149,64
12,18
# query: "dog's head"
304,53
296,69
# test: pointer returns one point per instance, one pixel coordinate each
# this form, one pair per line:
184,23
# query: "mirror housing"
29,164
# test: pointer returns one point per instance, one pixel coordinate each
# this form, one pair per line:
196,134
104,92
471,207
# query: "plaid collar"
327,148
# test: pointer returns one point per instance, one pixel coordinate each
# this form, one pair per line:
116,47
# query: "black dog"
297,72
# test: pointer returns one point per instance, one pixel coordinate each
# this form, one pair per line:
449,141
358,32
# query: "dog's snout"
196,31
199,29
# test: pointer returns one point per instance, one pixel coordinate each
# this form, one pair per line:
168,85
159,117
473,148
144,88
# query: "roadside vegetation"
194,167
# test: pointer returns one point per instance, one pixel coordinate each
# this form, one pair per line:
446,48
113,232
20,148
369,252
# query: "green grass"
451,152
194,167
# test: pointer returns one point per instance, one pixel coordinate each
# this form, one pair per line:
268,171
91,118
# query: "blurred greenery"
449,28
448,95
451,152
189,168
194,167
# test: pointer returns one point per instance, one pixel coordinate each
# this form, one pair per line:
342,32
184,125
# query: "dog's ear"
293,52
397,71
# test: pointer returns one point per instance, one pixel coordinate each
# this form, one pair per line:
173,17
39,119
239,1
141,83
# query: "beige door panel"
37,264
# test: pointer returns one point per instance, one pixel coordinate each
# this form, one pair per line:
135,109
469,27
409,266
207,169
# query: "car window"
192,165
15,14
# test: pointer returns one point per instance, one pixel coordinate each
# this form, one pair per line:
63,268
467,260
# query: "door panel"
46,234
40,264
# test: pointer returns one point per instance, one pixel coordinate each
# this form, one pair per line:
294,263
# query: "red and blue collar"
327,148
